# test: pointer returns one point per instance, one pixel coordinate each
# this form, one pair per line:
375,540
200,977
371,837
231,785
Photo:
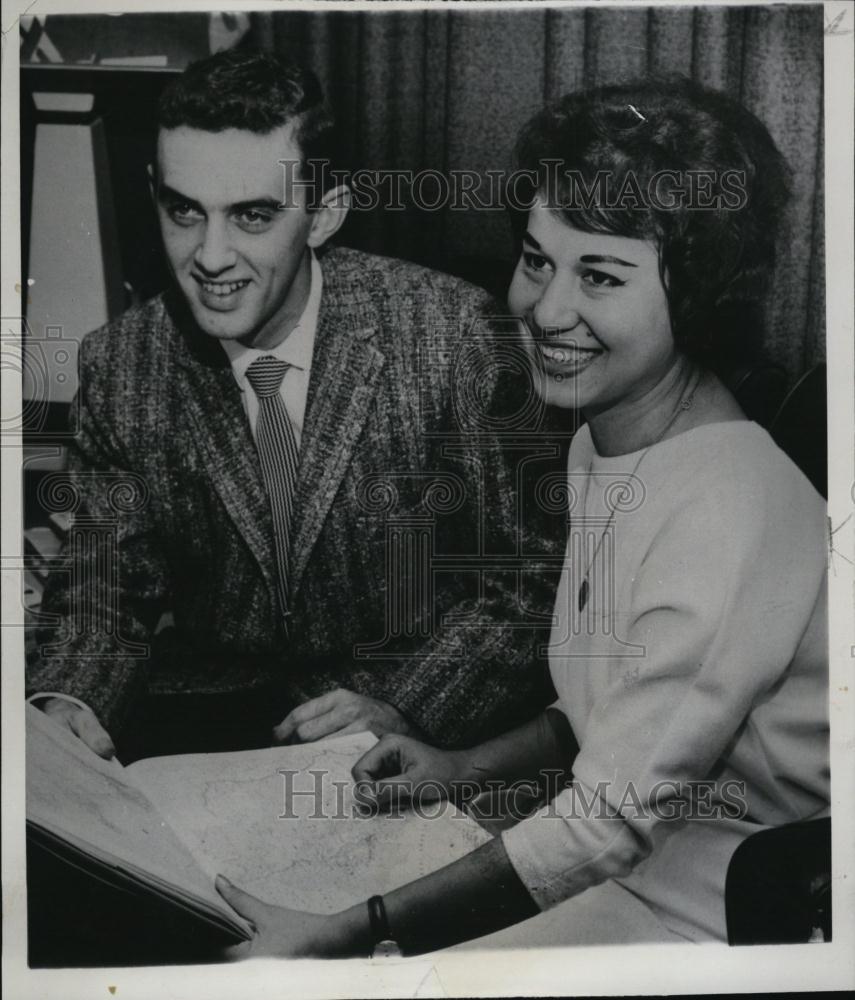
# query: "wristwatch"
384,944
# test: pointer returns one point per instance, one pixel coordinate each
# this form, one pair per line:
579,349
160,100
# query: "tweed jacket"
394,473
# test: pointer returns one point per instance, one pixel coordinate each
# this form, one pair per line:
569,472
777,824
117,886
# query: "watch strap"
378,920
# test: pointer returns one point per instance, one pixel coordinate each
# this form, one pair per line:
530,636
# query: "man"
285,414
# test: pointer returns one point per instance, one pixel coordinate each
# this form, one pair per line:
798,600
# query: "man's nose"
558,306
215,254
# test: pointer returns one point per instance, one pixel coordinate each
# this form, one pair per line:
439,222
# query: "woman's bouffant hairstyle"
257,92
686,168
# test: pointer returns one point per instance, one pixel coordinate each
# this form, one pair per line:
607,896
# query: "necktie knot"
265,375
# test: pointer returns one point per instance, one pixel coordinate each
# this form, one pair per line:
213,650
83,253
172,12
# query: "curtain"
447,90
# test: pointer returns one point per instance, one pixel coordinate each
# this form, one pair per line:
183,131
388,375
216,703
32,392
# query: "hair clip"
636,112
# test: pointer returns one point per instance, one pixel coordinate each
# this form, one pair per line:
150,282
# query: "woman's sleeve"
720,603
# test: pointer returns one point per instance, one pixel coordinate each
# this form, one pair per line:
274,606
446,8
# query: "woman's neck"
659,413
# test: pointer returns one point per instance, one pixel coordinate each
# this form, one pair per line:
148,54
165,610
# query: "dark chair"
778,888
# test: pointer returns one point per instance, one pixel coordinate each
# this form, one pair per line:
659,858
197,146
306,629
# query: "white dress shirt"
296,349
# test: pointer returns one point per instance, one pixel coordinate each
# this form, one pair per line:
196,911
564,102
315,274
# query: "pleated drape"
449,89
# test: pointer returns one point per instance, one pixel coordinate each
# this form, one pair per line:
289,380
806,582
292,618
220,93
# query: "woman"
689,644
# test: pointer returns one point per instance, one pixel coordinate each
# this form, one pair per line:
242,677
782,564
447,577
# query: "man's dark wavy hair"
257,92
715,263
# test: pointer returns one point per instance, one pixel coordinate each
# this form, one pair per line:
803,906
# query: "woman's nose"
214,254
558,307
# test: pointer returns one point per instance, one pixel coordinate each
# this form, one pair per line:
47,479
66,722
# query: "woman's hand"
293,933
399,770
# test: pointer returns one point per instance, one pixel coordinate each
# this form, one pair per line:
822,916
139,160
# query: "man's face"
237,254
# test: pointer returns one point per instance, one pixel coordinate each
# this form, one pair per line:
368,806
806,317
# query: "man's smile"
223,287
220,287
220,295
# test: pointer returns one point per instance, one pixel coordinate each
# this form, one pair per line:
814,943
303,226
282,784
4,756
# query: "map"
283,825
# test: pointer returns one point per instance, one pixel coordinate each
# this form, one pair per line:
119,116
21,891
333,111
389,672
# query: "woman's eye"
599,279
535,261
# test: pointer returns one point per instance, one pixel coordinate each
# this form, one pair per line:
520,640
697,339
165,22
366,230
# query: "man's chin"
219,329
219,334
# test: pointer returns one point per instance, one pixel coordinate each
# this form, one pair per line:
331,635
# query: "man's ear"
328,218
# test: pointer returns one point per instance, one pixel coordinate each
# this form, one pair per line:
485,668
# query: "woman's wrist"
468,776
521,753
346,934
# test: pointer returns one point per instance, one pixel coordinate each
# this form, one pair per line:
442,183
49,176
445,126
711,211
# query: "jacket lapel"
345,369
346,366
220,430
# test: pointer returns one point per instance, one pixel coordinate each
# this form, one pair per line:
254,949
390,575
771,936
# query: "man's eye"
183,213
599,279
535,261
253,218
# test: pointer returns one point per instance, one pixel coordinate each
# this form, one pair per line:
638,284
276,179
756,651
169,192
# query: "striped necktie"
278,454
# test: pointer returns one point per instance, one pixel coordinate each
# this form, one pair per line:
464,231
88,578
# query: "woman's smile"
566,360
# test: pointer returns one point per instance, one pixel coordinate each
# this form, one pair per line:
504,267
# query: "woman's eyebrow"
596,258
534,245
589,258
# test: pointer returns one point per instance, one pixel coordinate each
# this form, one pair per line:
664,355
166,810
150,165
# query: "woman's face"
596,312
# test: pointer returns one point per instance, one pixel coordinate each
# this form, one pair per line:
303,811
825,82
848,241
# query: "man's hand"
338,713
83,723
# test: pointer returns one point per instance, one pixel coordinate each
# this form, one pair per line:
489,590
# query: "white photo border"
637,969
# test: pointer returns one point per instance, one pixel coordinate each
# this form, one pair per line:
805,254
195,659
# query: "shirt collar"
296,348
